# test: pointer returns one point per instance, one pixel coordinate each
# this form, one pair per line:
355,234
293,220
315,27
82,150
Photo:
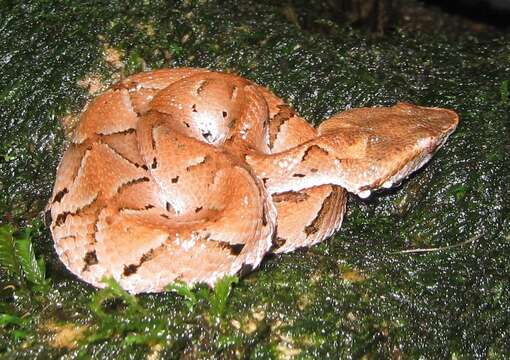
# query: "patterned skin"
187,174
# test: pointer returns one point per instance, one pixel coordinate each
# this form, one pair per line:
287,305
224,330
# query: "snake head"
360,150
379,147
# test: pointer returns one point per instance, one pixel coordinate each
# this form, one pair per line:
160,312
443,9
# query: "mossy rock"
360,294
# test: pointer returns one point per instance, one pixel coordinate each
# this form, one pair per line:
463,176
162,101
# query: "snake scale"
189,174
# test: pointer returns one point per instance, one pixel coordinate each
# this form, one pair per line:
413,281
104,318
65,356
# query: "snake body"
188,174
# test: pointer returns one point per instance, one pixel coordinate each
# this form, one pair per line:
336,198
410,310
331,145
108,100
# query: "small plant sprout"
18,259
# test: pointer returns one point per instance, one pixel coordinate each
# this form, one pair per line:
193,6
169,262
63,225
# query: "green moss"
452,301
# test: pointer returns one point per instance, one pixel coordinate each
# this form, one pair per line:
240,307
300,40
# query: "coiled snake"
188,174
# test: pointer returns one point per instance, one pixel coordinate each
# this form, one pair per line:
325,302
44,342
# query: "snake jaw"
187,174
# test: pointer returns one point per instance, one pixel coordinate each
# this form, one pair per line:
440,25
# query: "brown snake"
187,174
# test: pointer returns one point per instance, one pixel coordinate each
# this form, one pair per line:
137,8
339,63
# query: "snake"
187,174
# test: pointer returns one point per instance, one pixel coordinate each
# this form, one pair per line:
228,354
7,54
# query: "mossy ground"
358,294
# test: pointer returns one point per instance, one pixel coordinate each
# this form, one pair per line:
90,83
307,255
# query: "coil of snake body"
188,174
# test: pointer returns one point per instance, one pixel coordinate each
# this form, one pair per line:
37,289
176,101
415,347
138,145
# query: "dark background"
381,16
